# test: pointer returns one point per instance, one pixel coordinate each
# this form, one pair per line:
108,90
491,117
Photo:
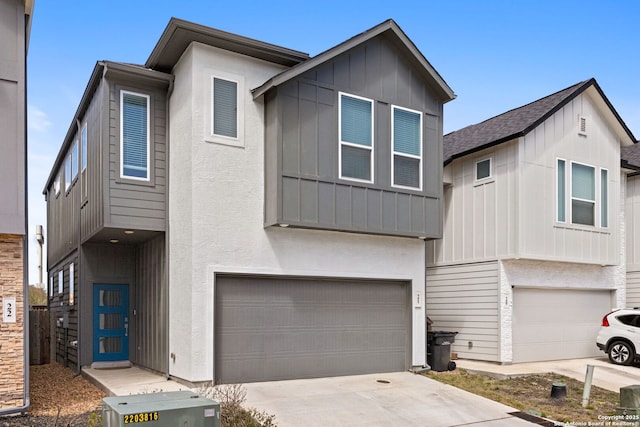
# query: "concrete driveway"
392,399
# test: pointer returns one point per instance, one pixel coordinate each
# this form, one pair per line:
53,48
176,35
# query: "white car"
619,335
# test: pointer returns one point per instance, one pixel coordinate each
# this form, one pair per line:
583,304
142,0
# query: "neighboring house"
238,211
15,23
532,254
631,161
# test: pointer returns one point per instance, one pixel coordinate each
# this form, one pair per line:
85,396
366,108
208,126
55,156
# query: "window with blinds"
134,135
225,108
582,194
356,138
407,147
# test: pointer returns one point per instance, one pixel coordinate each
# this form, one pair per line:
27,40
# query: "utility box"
170,409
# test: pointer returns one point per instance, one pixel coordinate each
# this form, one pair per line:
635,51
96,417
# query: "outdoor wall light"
129,231
114,240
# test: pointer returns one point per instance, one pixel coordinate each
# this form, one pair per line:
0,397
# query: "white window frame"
475,169
50,286
148,174
238,141
60,281
67,172
341,142
399,153
83,148
71,283
604,204
74,160
564,200
56,185
596,180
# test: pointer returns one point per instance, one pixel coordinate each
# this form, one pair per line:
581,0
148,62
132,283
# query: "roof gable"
179,34
517,122
389,29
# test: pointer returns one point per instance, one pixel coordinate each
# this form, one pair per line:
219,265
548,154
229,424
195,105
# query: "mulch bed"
60,398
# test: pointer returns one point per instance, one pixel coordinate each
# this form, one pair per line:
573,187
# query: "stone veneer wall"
12,334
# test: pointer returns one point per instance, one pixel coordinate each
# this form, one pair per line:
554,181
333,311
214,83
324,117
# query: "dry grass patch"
532,394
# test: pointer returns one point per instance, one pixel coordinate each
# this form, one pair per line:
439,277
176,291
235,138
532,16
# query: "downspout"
79,284
166,233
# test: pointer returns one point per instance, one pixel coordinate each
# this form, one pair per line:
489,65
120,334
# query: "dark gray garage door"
275,329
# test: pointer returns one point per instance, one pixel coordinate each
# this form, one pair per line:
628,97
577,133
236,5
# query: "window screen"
407,147
135,136
225,108
356,137
604,198
561,192
583,198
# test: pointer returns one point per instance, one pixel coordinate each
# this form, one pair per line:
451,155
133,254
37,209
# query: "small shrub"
231,397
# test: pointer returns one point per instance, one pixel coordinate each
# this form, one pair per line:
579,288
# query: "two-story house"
532,254
15,24
238,211
631,162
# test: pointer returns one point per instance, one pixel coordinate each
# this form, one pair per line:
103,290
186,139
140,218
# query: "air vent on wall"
582,125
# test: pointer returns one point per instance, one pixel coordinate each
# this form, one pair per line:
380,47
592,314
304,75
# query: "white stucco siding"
218,224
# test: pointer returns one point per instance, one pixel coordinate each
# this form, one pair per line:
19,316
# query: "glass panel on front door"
110,322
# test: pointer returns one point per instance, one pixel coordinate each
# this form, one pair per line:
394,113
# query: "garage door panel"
271,329
554,324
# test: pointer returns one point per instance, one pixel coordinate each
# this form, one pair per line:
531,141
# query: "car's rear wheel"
621,353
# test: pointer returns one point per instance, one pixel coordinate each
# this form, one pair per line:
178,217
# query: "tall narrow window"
51,286
561,192
74,160
67,172
225,108
71,283
60,281
134,136
407,147
83,147
604,198
356,138
583,194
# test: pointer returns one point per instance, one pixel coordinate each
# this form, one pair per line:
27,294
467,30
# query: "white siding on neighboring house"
541,236
512,214
632,234
464,298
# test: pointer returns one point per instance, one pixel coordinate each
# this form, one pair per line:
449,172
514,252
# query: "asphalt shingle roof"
509,125
631,156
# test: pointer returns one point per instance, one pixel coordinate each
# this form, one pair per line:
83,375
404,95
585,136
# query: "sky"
496,55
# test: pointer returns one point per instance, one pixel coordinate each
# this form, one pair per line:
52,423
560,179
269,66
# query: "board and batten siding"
464,298
302,150
136,203
150,306
632,240
540,235
513,214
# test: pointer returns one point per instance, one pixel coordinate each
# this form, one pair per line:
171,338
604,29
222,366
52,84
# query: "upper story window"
582,194
483,169
356,138
406,137
225,108
56,185
134,135
67,172
74,160
83,147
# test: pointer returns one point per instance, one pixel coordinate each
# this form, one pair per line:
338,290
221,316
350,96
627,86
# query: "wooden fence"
39,335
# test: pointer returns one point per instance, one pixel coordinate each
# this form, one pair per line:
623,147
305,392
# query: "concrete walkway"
605,375
130,381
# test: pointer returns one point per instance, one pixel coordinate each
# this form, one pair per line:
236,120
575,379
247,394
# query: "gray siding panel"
150,305
306,135
130,200
464,299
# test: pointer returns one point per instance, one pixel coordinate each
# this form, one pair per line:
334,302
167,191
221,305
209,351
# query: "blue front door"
110,322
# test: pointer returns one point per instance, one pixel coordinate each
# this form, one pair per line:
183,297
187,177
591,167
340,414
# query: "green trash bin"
439,350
